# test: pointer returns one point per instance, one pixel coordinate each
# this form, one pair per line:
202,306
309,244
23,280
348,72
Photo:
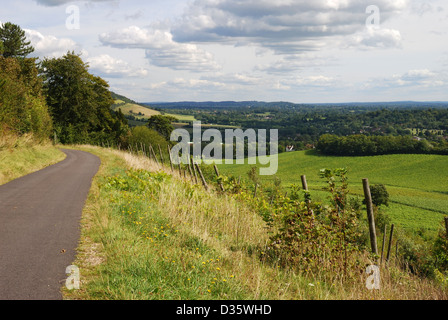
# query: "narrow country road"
40,227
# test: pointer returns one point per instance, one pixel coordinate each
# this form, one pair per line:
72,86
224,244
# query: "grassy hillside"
418,184
149,234
21,156
135,110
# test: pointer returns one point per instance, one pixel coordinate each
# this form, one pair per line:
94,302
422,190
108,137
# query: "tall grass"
21,155
153,235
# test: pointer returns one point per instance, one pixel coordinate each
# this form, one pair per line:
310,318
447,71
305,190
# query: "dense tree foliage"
22,104
361,145
145,137
14,41
302,125
162,124
80,103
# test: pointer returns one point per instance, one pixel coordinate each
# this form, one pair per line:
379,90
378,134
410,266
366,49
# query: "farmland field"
417,184
180,117
138,111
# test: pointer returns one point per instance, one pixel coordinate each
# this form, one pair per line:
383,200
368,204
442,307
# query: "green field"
417,184
181,117
136,110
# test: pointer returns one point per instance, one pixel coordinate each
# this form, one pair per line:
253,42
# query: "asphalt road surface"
40,227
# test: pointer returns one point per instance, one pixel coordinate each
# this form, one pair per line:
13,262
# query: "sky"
321,51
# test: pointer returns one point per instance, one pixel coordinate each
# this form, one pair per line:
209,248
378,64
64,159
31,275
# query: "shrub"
380,196
315,238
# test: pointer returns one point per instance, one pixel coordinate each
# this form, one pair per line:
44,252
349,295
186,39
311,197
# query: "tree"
162,124
145,136
14,41
22,105
80,102
380,196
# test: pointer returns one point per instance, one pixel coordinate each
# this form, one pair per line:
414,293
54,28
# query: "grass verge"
22,156
148,234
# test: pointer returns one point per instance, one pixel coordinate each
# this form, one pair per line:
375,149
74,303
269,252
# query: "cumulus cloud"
375,38
294,62
161,49
312,81
421,78
189,84
417,78
283,26
55,3
111,67
48,45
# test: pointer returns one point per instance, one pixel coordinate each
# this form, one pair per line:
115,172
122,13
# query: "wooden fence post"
171,159
446,227
191,172
304,183
369,204
202,176
256,189
153,154
390,242
161,155
384,242
305,187
190,169
194,170
217,175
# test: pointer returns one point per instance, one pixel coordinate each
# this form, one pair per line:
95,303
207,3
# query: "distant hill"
117,96
131,108
283,104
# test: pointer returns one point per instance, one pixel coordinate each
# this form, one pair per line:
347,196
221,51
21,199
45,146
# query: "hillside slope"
418,184
25,157
151,234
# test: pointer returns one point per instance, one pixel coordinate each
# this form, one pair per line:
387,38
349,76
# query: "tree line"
59,97
362,145
23,107
303,125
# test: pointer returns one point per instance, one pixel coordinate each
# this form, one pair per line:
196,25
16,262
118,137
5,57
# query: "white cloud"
284,26
418,78
312,81
376,38
48,45
111,67
54,3
161,49
182,84
295,62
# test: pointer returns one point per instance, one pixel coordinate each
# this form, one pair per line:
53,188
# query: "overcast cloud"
293,50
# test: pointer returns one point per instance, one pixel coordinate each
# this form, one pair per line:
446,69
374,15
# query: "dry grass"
233,231
20,156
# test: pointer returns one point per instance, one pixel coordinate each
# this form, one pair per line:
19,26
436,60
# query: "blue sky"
285,50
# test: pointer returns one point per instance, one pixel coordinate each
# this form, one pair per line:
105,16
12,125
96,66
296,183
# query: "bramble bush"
316,238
